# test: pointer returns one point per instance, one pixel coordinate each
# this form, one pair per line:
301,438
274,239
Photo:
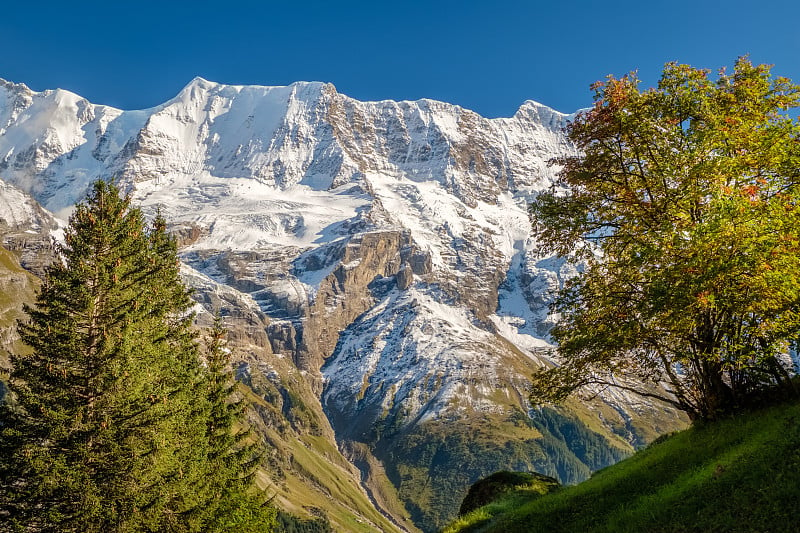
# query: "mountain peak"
11,86
529,105
201,82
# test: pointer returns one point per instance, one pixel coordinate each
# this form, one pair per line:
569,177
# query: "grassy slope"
16,286
307,475
739,474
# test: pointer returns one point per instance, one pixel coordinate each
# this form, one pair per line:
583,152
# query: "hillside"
17,286
739,474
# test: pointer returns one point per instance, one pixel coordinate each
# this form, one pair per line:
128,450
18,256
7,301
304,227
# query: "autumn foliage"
683,207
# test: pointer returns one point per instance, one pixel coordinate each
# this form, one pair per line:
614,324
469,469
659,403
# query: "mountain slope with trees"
374,265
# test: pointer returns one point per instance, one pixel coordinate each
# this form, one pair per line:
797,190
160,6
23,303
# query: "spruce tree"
233,452
109,427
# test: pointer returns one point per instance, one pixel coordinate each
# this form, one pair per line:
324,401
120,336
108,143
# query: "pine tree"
109,428
233,452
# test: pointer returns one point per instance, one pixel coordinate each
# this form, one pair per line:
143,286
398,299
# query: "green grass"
434,464
738,474
16,286
310,479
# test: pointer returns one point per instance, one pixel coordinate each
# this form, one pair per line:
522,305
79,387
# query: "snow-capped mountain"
386,245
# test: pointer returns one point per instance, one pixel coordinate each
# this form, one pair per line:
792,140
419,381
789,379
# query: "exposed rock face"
367,261
381,248
26,229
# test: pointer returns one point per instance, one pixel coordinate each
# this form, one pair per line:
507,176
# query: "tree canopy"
114,423
682,206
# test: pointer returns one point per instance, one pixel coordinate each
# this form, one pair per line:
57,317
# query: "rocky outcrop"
369,263
490,488
187,234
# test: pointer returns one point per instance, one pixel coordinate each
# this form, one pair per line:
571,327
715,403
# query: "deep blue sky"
485,55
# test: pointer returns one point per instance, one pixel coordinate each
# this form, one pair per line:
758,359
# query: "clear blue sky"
485,55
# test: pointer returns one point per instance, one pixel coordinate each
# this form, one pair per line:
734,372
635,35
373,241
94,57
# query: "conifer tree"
233,453
109,425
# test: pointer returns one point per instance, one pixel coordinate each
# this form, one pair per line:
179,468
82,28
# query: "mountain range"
373,263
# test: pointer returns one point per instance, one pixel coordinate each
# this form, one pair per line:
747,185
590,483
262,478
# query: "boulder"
490,488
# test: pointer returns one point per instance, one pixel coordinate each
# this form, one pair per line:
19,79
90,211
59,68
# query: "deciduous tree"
683,206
